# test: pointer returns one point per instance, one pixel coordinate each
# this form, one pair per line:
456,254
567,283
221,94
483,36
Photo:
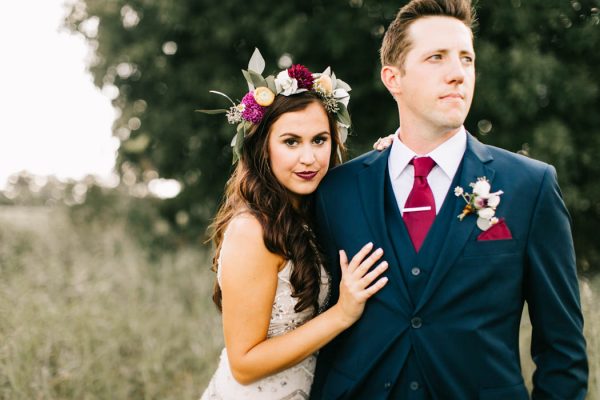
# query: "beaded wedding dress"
291,384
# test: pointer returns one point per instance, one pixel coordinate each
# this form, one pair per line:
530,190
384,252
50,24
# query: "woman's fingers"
374,288
343,261
367,263
371,276
359,257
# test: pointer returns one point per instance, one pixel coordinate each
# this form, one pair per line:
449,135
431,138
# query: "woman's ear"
391,78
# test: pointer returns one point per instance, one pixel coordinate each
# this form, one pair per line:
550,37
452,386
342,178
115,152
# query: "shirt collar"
447,155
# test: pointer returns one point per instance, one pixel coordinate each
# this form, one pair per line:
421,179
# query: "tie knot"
423,166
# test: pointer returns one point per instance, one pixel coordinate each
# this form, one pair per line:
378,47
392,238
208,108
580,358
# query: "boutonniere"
480,202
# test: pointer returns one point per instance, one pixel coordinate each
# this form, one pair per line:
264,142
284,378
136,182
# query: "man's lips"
307,175
451,96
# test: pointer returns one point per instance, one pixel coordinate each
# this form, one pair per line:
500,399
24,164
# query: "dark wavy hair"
253,188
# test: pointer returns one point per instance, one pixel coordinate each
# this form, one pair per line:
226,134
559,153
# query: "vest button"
414,385
416,271
387,385
416,322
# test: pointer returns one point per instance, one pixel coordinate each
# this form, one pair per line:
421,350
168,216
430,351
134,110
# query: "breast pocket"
488,248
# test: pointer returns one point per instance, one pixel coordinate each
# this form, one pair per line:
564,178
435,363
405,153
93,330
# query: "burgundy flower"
302,75
253,111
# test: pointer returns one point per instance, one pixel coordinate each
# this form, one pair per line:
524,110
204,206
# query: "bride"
271,283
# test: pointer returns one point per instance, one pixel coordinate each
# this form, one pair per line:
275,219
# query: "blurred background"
108,178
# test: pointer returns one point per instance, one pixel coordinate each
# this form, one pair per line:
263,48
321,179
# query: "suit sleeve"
552,294
327,243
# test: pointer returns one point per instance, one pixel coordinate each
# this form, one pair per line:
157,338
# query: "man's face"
438,78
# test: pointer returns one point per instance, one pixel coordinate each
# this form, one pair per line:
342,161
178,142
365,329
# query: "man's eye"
436,57
468,59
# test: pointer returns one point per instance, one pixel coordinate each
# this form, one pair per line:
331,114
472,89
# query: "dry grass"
590,291
84,314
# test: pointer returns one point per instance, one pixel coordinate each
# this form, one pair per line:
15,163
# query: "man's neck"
423,141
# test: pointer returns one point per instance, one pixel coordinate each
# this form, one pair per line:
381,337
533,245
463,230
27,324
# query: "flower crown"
262,91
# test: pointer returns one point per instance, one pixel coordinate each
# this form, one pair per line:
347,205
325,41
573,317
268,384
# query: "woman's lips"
307,175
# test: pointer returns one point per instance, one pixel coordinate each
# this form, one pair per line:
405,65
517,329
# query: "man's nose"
456,71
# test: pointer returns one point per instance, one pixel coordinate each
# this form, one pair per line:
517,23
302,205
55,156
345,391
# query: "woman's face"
300,149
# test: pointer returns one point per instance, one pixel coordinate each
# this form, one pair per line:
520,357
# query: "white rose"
458,191
285,85
486,213
493,201
481,188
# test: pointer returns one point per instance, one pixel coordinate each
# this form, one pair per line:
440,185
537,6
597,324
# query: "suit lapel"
473,166
371,183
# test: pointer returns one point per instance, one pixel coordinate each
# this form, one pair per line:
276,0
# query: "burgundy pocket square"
498,231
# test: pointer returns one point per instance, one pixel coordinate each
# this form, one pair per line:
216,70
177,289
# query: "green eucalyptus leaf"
246,127
257,79
218,111
343,116
257,62
271,83
222,94
248,79
343,85
240,128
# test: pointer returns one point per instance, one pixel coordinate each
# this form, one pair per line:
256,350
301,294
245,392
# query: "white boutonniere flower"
481,202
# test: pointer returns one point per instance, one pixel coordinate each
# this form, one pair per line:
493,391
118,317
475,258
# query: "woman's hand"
383,143
355,285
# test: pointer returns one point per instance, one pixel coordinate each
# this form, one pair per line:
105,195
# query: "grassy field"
86,314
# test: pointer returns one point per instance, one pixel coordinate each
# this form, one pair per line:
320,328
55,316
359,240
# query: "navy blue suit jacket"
468,343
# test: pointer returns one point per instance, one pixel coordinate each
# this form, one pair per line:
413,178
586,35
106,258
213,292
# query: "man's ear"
390,76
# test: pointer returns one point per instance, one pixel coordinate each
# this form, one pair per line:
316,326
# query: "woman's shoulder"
244,225
243,244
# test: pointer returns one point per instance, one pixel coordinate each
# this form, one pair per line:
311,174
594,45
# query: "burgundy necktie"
419,210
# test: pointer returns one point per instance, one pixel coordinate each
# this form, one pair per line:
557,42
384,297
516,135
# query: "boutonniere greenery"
481,202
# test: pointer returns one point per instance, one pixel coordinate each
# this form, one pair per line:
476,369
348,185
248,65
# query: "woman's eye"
320,140
436,57
290,142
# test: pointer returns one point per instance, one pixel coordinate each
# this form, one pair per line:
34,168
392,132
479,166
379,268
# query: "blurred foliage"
89,203
537,91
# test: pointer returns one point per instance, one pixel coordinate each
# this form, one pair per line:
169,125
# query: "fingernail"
379,251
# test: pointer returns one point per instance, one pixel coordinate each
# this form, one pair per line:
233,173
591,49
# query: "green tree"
538,83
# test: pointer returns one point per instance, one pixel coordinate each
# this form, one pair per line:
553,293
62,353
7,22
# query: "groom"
446,326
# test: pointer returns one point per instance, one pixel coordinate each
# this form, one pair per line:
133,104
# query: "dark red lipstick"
307,175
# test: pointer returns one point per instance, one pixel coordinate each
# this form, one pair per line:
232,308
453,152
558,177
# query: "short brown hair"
396,42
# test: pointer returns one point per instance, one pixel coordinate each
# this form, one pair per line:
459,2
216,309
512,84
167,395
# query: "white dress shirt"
447,157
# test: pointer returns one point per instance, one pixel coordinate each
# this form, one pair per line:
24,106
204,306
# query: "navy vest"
415,269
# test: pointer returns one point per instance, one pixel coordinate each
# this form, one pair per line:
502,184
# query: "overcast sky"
53,120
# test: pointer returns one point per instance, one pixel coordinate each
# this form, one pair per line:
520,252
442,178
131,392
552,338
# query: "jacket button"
387,385
416,271
414,385
416,322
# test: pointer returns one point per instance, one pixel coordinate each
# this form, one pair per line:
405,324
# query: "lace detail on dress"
291,384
